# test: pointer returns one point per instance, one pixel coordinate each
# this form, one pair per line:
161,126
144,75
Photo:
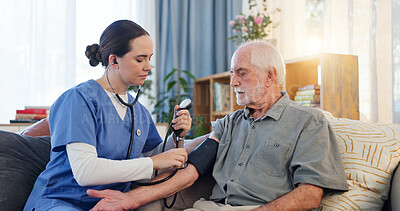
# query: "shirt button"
253,126
232,180
276,145
240,163
247,146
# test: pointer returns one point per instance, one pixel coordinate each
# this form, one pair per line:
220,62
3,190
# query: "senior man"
273,155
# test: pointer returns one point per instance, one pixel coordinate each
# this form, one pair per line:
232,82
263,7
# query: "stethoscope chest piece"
138,132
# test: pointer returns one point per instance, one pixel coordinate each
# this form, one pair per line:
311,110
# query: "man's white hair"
264,56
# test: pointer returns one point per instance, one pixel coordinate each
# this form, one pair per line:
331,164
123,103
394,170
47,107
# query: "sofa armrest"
395,190
40,128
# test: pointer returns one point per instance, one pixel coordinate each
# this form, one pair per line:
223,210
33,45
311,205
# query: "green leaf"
169,74
160,102
189,74
184,84
170,85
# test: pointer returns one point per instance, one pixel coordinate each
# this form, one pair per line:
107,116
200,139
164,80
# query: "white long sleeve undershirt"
88,169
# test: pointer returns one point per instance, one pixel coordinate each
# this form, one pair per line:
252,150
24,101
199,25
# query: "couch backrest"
370,153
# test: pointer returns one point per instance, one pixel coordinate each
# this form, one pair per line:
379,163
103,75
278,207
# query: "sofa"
370,154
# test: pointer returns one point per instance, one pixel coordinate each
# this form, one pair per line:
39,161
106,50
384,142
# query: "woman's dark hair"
115,39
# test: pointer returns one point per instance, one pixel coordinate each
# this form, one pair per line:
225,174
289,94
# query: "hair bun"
93,54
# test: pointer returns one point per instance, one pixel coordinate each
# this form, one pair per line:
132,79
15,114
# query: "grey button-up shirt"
259,160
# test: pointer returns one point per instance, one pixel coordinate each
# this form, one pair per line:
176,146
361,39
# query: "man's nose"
234,81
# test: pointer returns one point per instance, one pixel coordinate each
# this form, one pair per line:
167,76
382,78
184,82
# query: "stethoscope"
185,104
130,105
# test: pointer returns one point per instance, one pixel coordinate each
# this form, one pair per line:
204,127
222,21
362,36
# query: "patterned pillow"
370,153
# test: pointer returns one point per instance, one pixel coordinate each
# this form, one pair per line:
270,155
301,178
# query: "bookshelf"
204,97
338,77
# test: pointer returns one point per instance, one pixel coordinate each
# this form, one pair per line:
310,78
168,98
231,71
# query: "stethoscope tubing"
130,105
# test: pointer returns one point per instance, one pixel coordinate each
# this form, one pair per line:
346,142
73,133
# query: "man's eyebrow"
238,69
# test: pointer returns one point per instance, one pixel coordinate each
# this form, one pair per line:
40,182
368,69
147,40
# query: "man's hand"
112,200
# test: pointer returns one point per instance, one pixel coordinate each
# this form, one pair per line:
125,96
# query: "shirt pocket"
272,158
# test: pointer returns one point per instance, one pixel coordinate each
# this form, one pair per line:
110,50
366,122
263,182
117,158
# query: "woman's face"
134,66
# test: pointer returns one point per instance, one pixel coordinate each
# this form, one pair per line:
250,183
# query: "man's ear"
271,76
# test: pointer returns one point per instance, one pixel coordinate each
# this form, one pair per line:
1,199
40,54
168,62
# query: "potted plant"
177,90
257,25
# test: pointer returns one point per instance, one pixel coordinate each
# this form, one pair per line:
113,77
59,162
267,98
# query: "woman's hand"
112,200
183,121
171,158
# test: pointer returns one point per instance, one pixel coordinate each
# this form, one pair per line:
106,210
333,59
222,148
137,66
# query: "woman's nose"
148,67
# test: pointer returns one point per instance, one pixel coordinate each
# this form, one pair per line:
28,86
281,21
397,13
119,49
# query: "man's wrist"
179,142
135,201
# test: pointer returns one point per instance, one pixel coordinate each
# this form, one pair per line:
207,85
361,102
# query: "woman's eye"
139,60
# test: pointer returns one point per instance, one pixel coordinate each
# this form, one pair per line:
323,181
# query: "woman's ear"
112,60
271,76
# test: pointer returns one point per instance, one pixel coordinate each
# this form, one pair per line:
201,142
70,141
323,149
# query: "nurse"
91,129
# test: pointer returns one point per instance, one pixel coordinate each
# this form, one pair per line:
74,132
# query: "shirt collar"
275,111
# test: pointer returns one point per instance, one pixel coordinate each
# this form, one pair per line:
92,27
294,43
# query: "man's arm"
115,200
304,197
191,145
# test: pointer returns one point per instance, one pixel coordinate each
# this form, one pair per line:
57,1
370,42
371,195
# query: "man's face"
247,81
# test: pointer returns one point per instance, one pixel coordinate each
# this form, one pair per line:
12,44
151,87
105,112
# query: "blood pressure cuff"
203,157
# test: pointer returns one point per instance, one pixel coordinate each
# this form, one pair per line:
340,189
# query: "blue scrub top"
86,114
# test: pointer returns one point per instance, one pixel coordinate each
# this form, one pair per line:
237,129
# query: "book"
32,111
30,116
308,92
309,103
221,96
312,97
24,120
38,107
310,87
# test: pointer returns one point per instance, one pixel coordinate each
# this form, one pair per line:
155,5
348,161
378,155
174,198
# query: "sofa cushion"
22,159
370,153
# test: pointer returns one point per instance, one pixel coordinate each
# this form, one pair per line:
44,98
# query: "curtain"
192,35
43,42
37,50
365,28
395,46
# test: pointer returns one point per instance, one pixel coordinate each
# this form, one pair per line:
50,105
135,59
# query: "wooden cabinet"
14,127
338,76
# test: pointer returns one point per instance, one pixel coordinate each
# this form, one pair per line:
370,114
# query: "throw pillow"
22,159
370,153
